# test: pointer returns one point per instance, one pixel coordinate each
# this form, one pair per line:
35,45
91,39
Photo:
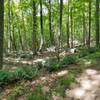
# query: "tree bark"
50,25
89,35
34,29
1,31
67,25
97,23
41,27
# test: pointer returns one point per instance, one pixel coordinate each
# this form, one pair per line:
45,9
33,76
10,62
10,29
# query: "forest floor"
86,86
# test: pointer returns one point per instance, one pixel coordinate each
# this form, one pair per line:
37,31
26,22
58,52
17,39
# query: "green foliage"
16,92
86,51
70,59
94,56
92,50
26,72
52,64
64,82
39,94
4,77
83,52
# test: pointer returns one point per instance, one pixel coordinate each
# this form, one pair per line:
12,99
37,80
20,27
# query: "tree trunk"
89,35
59,27
71,27
34,29
41,27
50,25
97,23
1,31
13,33
9,27
84,32
67,27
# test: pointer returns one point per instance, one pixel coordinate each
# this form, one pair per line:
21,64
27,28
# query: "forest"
49,49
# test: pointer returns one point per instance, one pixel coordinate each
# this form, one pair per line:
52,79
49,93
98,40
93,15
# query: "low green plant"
17,92
69,59
52,64
5,77
39,94
95,55
83,52
26,72
86,51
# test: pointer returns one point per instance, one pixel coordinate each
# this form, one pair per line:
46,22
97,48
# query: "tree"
89,35
34,43
9,26
60,21
71,11
97,23
50,25
41,27
1,31
59,27
67,25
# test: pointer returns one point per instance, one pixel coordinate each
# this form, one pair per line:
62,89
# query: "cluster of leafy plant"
5,77
95,55
21,73
26,72
39,94
55,64
52,64
86,51
69,59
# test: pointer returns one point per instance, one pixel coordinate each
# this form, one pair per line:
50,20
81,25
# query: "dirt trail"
87,86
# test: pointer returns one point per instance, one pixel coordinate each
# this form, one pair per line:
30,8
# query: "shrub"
70,59
26,72
39,94
92,50
86,51
5,77
52,64
94,56
83,52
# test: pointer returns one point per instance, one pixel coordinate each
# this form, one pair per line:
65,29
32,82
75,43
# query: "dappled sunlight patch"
89,96
87,63
39,60
76,93
43,78
91,72
96,77
62,73
86,84
79,93
62,54
96,83
42,61
14,68
26,62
